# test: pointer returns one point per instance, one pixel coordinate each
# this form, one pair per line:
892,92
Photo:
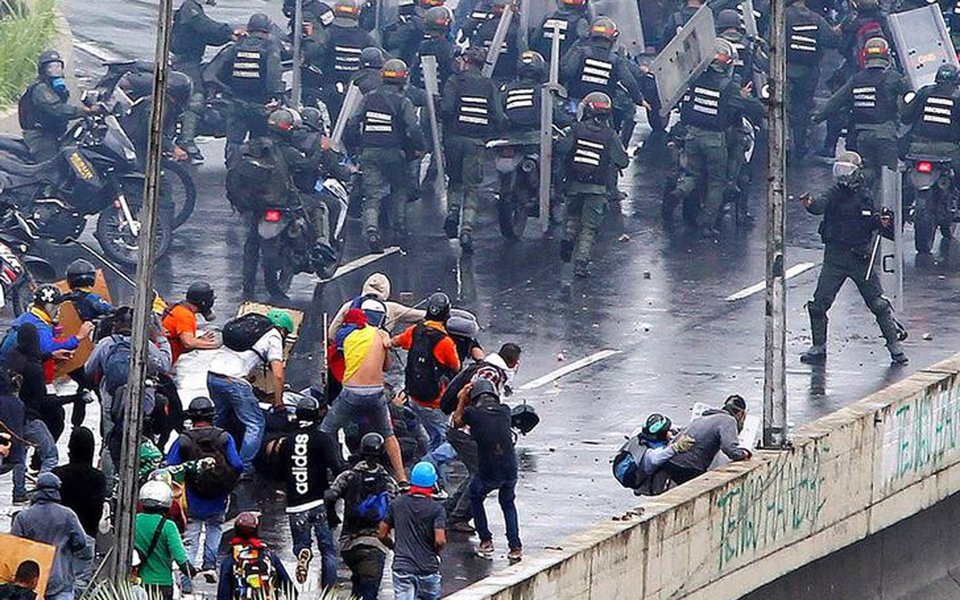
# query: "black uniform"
574,26
254,74
44,114
337,56
594,66
808,35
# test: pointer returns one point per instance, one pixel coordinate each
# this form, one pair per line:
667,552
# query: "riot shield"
889,263
922,42
749,18
496,44
388,13
546,128
626,14
432,85
684,58
537,11
351,101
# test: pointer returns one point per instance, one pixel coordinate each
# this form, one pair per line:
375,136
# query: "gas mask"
846,173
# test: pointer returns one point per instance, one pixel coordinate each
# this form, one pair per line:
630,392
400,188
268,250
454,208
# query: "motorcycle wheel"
275,266
182,191
924,225
113,232
512,214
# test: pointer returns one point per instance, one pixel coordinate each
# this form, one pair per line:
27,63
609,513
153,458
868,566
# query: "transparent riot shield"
922,42
351,101
626,14
684,58
496,44
889,260
432,85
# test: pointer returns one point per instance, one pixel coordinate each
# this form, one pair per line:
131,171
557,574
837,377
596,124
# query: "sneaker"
899,358
462,527
515,555
303,565
440,494
485,549
816,355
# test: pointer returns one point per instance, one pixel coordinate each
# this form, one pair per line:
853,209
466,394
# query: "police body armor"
596,73
248,77
522,105
872,101
589,161
380,125
803,40
703,106
346,43
472,117
567,22
849,222
939,117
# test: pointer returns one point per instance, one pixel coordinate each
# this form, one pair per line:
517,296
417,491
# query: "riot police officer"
675,22
714,103
368,78
43,111
934,113
870,97
808,35
386,130
436,42
850,222
253,71
572,17
337,54
192,32
402,38
472,115
521,98
590,156
509,50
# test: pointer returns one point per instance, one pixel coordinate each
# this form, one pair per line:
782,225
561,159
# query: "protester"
180,321
378,286
157,541
24,584
251,569
49,522
638,464
716,430
420,525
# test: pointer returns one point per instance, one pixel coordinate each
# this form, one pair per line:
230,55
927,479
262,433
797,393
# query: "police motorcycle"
935,203
517,161
20,271
94,173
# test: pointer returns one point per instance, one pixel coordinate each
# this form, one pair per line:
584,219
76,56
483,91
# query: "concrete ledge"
63,42
850,475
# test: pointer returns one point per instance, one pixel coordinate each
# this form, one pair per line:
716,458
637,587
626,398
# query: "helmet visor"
844,171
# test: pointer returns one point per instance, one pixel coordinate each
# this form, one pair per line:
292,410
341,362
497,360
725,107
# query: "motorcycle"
19,270
288,235
94,172
518,168
935,205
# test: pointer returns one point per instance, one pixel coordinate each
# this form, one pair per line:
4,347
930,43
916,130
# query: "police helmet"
604,28
260,22
247,524
846,169
596,105
312,118
728,19
201,408
81,274
156,494
876,52
437,19
574,2
283,120
532,66
371,445
48,57
346,10
201,295
657,427
946,74
438,307
371,57
431,3
394,72
475,55
47,295
308,410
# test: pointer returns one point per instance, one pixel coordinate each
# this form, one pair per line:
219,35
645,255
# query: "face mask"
59,84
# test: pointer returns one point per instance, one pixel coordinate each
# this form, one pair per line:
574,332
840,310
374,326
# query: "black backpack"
209,442
448,401
367,499
242,333
259,177
422,374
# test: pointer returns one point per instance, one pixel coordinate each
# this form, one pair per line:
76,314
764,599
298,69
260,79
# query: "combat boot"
897,356
817,353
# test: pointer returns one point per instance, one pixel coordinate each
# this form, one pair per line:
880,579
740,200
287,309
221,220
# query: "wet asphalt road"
656,298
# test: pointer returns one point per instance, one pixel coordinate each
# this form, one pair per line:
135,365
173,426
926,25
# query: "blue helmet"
423,475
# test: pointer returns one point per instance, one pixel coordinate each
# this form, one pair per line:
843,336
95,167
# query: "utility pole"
121,560
775,337
297,32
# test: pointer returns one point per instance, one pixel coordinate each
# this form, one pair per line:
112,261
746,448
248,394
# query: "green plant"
24,33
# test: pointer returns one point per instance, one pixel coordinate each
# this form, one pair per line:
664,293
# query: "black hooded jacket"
25,361
83,487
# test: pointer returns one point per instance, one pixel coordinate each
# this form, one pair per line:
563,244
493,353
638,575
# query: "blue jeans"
506,494
231,395
435,424
211,545
439,457
361,405
314,521
35,431
407,586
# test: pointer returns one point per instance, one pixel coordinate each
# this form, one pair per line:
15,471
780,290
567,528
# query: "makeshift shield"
684,58
432,84
351,102
626,14
496,44
70,322
923,43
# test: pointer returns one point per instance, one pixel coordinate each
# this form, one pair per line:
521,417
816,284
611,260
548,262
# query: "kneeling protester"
637,465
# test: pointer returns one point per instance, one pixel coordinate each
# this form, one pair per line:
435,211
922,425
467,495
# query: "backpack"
116,366
368,499
209,442
422,373
448,401
868,30
259,177
627,461
253,573
242,333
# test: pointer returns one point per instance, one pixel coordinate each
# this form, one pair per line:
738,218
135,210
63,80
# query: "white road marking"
753,289
101,54
566,370
363,261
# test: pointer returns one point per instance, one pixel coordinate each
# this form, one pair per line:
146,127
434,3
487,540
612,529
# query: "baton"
873,256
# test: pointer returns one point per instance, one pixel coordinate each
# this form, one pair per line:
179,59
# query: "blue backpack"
627,461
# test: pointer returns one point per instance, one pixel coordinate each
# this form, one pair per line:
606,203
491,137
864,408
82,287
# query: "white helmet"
156,494
375,310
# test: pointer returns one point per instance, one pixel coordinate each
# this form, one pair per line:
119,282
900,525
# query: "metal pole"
546,129
142,309
297,92
774,380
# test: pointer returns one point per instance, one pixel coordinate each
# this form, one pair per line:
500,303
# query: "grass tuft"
24,34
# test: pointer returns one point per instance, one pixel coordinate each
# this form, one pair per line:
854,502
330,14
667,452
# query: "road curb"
63,42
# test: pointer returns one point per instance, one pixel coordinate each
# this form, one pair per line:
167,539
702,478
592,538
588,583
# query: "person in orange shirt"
432,362
180,321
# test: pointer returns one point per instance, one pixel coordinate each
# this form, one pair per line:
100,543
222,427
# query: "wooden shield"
70,322
14,550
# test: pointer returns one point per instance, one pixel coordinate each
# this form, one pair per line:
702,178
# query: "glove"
190,571
683,443
208,463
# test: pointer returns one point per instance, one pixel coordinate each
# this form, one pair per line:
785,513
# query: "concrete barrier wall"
849,475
